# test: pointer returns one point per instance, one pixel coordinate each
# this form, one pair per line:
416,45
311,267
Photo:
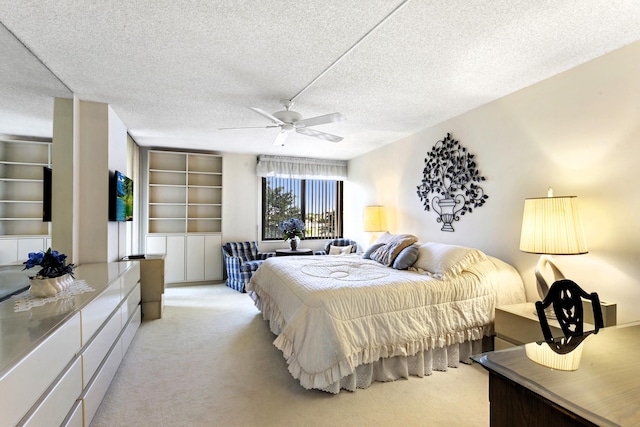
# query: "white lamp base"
543,262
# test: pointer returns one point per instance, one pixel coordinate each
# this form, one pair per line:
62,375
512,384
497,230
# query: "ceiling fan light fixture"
288,116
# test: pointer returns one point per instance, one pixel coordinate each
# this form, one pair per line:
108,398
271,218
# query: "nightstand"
518,324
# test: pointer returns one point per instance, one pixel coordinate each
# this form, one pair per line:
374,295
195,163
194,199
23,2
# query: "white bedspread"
334,313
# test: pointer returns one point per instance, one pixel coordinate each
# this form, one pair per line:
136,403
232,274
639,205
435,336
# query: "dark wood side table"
289,252
603,391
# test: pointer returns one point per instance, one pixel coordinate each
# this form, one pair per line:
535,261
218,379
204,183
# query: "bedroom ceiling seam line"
36,57
350,49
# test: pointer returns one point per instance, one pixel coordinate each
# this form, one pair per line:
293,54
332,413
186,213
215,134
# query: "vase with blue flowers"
292,230
54,275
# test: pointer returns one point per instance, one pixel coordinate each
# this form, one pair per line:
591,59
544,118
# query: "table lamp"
551,226
375,220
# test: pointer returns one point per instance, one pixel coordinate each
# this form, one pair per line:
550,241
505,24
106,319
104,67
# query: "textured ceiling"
177,71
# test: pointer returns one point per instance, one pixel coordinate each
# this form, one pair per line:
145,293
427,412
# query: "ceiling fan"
289,121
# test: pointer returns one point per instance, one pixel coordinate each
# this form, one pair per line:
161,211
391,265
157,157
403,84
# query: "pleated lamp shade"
552,226
375,219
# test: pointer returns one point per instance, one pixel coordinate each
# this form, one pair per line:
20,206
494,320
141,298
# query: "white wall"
241,214
117,231
93,146
89,141
578,132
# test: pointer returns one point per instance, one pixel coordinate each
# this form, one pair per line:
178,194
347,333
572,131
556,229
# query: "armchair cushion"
246,251
340,250
339,242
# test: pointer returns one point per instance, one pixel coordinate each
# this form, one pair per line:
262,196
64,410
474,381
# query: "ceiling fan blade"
321,120
251,127
281,137
274,120
318,134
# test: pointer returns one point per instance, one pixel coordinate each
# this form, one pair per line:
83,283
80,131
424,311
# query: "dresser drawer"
98,386
131,304
74,419
131,279
54,408
131,329
23,385
95,352
99,310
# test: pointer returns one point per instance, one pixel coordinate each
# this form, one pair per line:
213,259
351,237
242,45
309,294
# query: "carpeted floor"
210,361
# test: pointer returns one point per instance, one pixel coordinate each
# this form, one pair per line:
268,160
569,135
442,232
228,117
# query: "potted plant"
292,231
54,275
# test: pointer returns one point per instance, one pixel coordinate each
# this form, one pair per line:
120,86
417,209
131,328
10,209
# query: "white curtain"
301,168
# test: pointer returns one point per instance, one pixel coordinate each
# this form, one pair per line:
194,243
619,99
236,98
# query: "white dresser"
57,360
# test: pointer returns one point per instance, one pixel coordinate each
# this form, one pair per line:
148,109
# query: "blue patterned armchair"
241,259
338,242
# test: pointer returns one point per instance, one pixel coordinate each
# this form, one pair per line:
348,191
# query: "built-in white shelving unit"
185,193
21,185
184,211
22,229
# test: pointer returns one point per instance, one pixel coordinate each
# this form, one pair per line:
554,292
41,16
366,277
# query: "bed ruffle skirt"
417,360
420,365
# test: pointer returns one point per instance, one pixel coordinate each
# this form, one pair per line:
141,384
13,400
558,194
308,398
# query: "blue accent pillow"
406,258
372,249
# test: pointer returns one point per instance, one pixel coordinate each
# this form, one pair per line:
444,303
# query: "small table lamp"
551,226
375,220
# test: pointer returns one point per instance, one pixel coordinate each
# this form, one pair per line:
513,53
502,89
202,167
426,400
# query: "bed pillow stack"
388,247
440,260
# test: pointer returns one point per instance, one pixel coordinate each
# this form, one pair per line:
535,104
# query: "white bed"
344,321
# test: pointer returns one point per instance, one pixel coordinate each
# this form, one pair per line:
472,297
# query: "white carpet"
210,361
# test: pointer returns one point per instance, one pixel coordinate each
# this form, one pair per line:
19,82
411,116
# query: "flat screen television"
46,194
121,200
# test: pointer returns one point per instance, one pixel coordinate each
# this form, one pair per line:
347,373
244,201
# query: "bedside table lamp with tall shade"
375,220
551,226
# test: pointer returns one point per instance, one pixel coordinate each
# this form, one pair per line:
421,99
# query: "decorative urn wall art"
450,175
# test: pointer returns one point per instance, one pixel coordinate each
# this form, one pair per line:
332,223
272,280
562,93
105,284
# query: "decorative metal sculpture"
450,172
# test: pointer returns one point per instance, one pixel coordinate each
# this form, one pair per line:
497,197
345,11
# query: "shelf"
167,226
178,172
4,162
167,178
24,228
206,180
204,211
21,187
167,185
167,161
202,195
204,163
167,195
204,225
21,180
213,187
167,211
25,152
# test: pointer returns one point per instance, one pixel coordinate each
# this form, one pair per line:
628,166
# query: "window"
316,202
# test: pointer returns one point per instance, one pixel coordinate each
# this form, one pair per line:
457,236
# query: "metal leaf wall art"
451,176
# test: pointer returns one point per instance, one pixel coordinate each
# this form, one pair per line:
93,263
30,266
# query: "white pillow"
445,260
340,250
